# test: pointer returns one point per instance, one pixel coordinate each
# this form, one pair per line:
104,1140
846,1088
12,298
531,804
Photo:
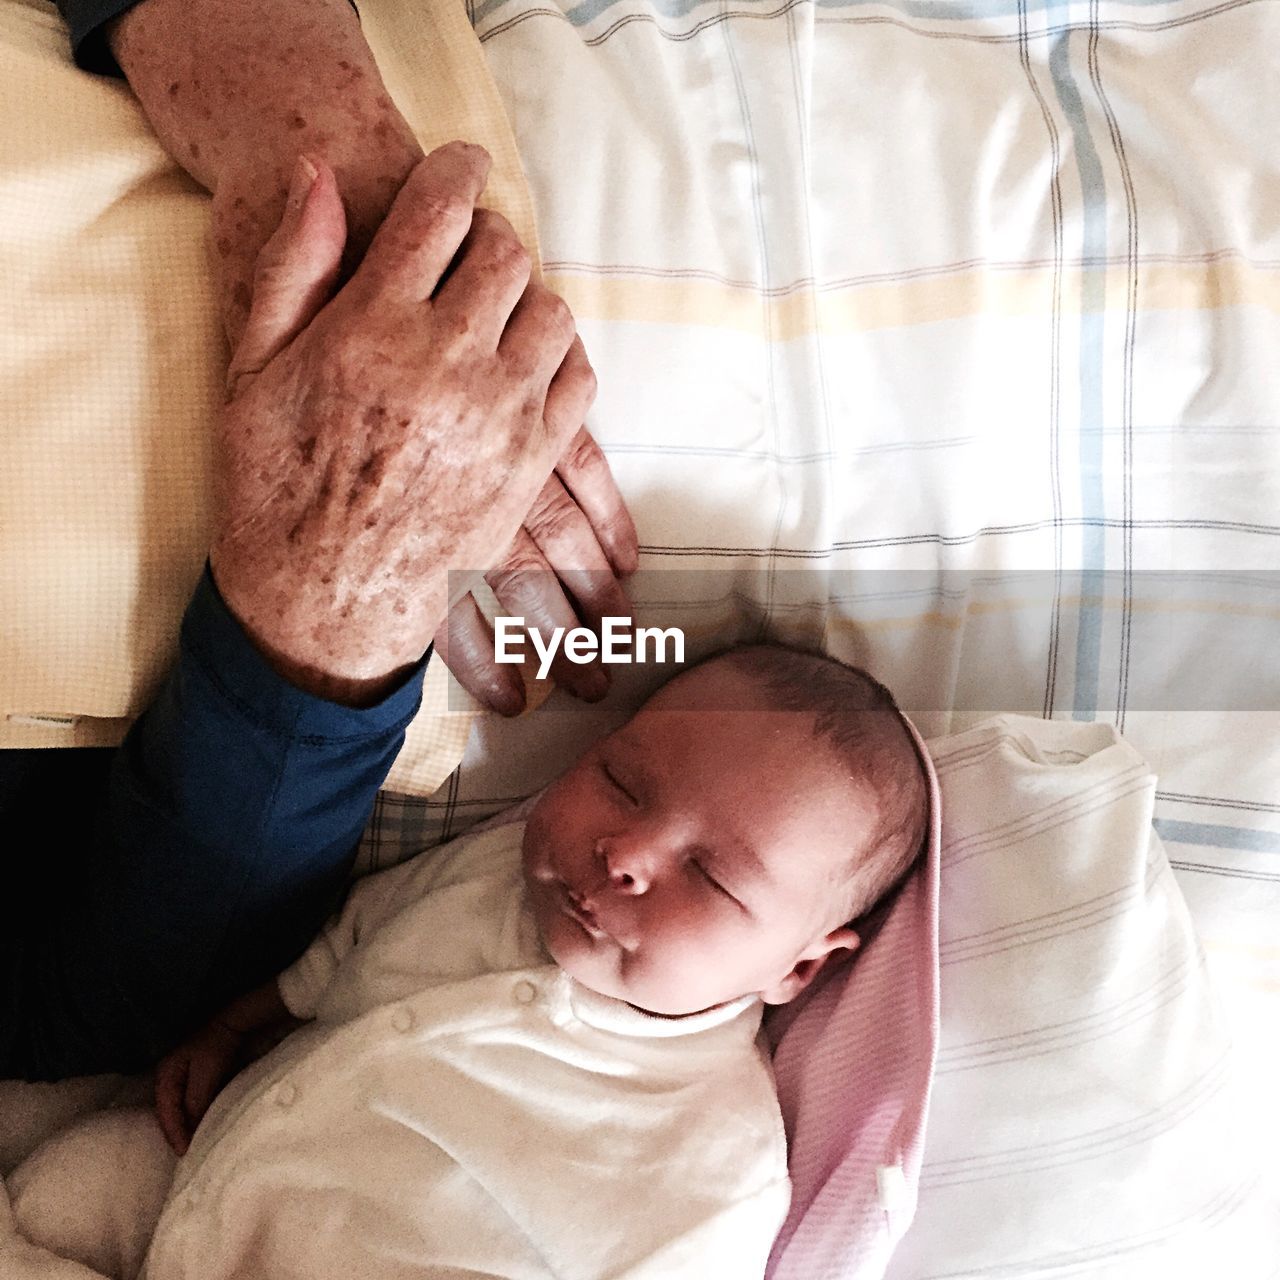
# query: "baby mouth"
576,909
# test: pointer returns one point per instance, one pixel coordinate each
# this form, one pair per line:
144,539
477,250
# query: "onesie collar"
607,1014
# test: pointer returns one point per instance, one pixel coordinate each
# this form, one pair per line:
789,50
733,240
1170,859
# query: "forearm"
227,82
236,90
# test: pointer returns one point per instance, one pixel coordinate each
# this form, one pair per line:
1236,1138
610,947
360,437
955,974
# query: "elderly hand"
576,516
374,441
236,89
566,564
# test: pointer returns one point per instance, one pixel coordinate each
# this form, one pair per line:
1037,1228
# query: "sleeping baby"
534,1052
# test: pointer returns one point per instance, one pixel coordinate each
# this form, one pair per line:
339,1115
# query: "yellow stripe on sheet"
1244,968
840,622
1258,953
972,608
920,299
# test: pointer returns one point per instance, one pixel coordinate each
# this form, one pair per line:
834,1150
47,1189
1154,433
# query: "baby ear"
810,963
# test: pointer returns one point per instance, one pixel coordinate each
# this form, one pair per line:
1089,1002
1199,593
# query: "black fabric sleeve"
87,20
201,860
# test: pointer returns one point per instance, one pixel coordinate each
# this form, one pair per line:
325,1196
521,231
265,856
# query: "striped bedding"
1083,1119
939,333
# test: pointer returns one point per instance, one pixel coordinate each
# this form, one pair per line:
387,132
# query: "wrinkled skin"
238,89
373,441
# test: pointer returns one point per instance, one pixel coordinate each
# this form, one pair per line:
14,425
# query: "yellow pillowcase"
111,367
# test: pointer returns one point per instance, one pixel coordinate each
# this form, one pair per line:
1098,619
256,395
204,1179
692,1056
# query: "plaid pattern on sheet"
925,287
888,300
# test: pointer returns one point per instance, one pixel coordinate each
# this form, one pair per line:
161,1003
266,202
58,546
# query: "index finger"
427,223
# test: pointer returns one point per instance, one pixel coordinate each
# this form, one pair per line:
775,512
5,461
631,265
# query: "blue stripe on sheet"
766,280
582,15
1093,249
1215,836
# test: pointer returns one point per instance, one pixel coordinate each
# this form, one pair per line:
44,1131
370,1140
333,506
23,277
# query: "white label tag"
891,1186
43,722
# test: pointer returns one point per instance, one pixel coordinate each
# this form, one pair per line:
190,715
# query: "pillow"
1082,1117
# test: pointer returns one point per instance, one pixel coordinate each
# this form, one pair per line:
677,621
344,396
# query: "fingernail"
594,685
304,176
506,700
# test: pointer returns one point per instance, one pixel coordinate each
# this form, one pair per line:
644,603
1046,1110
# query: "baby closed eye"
714,883
616,785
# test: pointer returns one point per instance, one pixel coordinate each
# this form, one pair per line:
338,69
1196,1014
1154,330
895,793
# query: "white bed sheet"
901,297
949,291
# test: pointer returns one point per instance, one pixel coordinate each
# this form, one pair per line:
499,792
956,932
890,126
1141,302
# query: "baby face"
691,857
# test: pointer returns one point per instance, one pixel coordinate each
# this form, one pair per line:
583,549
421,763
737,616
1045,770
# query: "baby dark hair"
858,719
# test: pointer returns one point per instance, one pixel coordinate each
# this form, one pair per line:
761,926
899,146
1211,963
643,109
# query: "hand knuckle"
444,212
511,258
515,589
522,560
495,226
585,385
575,393
551,520
582,455
557,316
517,579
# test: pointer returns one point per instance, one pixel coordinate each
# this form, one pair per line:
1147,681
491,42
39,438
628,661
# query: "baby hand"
189,1079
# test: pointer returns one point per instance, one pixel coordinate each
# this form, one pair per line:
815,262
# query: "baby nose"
625,865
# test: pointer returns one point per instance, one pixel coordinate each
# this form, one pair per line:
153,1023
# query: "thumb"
295,272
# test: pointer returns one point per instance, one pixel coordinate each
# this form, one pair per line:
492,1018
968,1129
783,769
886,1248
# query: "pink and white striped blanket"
854,1061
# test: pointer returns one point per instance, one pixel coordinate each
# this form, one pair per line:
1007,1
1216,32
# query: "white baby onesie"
461,1107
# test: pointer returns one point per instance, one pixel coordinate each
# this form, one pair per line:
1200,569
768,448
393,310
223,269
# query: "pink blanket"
854,1059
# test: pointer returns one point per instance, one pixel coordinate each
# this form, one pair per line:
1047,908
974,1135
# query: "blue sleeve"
232,814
